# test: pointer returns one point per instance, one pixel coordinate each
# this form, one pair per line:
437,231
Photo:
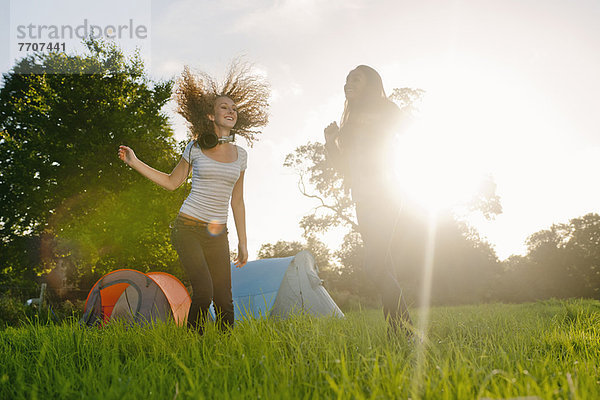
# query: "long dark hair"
366,129
372,98
196,95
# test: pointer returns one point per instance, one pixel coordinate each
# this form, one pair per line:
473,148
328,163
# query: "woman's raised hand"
126,154
331,132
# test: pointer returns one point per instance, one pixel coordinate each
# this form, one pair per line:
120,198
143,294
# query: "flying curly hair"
196,94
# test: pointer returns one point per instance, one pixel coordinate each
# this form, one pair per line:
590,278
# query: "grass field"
548,349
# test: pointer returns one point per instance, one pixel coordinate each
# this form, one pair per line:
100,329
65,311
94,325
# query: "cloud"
293,15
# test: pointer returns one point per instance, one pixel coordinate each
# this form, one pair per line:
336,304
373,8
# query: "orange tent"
133,296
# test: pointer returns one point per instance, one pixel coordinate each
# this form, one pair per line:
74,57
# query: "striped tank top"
212,184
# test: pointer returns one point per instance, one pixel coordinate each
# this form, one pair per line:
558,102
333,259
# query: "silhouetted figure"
360,149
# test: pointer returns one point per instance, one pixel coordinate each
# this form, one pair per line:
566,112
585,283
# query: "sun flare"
435,165
467,124
434,174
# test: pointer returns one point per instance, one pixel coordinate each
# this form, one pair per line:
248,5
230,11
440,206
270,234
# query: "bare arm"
168,181
239,215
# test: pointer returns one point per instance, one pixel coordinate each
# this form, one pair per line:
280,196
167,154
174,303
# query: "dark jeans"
206,261
381,230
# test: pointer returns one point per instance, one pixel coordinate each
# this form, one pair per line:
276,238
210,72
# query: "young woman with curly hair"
359,150
215,113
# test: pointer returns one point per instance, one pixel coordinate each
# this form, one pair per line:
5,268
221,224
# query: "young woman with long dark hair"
359,150
215,113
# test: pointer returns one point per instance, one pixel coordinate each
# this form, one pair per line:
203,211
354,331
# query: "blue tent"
280,286
255,286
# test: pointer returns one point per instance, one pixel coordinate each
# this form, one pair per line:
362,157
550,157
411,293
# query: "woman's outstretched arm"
239,215
168,181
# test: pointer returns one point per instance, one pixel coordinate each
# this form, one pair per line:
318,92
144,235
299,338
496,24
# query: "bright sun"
441,161
436,164
479,121
434,172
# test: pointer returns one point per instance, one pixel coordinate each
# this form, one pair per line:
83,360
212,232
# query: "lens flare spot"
215,228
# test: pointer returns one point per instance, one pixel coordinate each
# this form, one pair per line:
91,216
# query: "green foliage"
12,311
280,249
349,283
562,261
547,350
128,229
63,191
287,249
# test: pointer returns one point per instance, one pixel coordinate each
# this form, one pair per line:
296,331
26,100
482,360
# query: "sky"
511,92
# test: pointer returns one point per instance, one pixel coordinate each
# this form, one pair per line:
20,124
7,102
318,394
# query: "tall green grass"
549,349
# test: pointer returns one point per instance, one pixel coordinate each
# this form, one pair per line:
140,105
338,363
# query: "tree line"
66,201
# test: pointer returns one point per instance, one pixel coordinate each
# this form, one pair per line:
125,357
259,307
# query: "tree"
280,249
584,245
464,264
283,248
319,181
62,188
350,276
561,261
566,258
516,282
